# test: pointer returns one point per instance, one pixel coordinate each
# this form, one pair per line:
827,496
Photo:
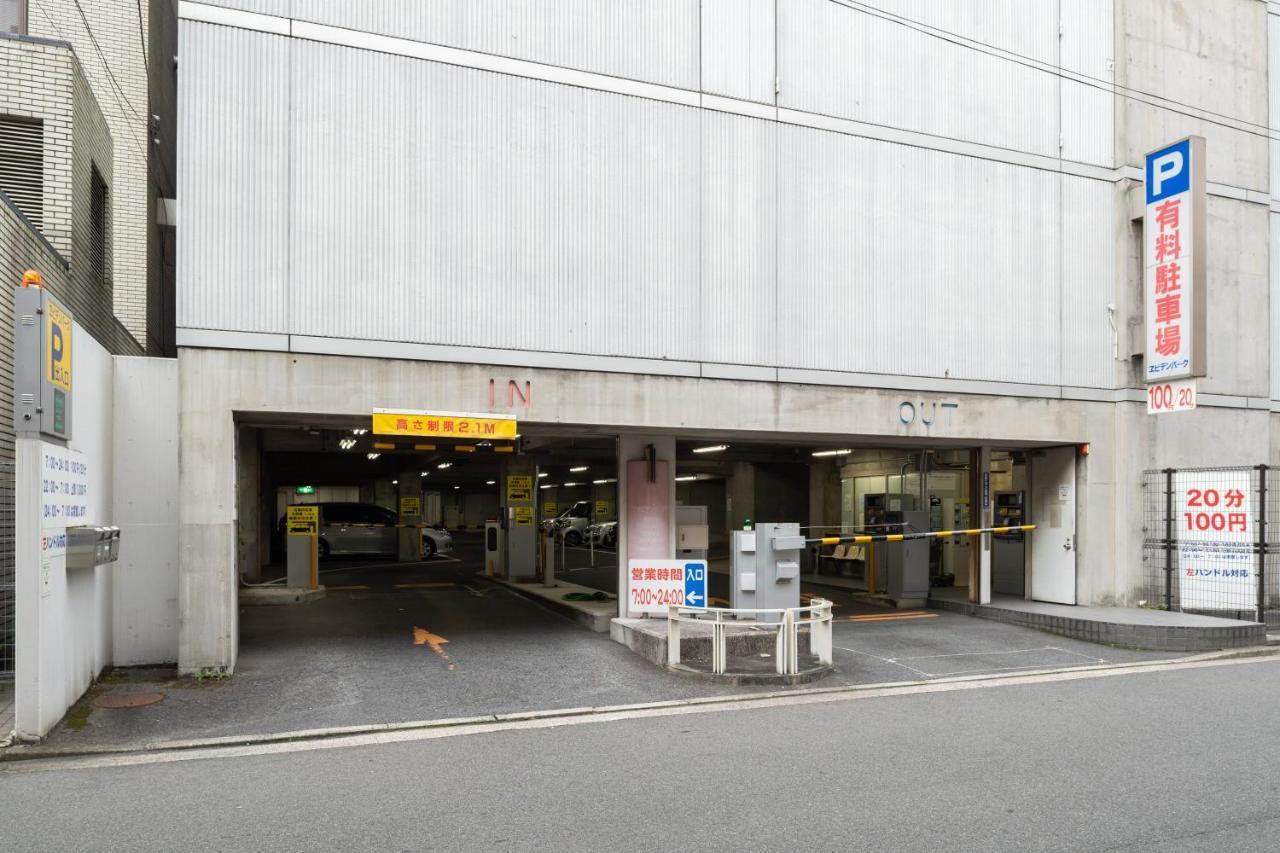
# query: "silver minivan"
355,528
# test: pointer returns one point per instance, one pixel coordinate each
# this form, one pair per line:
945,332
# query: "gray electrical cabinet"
907,562
764,567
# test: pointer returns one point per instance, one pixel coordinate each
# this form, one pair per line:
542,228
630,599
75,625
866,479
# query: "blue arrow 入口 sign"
695,584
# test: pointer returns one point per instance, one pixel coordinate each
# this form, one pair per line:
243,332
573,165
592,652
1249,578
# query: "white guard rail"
817,615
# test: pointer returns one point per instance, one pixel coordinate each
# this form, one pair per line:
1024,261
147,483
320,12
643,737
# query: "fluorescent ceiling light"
715,448
547,486
395,482
359,431
347,443
832,452
578,469
457,487
444,465
425,473
374,455
543,474
490,482
686,478
571,484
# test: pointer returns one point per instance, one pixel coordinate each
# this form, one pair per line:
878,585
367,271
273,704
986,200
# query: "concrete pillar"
740,495
632,448
981,513
410,538
520,512
208,616
249,501
384,493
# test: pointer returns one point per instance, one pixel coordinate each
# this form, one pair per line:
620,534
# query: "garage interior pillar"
740,489
409,507
249,483
522,532
638,524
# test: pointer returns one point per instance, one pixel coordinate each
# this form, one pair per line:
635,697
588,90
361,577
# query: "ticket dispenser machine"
908,562
884,513
495,549
302,525
1008,550
764,567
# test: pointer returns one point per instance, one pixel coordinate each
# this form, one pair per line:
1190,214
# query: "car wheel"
323,549
573,539
428,547
611,541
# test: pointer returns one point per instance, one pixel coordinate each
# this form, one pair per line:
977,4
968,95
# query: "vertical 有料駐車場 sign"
1174,261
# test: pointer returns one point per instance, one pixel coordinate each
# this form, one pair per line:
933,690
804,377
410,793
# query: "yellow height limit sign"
303,520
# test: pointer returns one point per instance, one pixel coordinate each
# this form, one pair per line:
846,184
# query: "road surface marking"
423,637
888,617
433,585
306,741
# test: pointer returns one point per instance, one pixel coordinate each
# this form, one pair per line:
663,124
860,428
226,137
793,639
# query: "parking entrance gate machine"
495,549
764,567
302,524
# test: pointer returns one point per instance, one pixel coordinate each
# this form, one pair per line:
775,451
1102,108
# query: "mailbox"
92,546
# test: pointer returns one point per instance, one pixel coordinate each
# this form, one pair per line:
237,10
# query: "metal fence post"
1168,539
1262,544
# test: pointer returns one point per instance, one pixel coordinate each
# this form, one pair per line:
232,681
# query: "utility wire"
142,45
1044,67
106,65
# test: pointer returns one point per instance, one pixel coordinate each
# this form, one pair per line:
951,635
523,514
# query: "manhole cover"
127,700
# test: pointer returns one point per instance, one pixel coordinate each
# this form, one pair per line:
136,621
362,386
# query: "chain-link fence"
8,609
1211,541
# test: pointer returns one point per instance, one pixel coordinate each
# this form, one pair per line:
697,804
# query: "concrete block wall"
111,43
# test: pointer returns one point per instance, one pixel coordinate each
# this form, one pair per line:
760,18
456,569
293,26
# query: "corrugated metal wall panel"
264,7
1088,282
438,204
651,40
233,133
887,266
1274,259
841,62
1088,111
739,252
738,49
1273,100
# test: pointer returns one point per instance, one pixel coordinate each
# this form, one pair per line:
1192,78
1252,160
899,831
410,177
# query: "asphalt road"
1176,760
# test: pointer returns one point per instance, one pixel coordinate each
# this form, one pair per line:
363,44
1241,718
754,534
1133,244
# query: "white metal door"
1053,511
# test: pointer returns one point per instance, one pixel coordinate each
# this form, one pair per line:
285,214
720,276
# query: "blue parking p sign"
695,584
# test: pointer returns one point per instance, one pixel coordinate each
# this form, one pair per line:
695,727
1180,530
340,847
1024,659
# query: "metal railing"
816,616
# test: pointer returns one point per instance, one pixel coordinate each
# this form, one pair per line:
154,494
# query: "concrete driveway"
419,641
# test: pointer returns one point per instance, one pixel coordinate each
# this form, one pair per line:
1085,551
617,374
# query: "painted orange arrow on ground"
423,637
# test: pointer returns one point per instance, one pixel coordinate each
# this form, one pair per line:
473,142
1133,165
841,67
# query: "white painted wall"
64,626
145,594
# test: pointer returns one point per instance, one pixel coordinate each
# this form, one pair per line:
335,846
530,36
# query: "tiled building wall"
111,44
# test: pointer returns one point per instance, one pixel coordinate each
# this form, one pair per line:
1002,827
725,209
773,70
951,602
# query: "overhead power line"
1140,96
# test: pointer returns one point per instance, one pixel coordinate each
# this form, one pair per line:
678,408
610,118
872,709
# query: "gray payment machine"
765,567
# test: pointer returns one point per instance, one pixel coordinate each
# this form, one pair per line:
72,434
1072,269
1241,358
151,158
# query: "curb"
19,755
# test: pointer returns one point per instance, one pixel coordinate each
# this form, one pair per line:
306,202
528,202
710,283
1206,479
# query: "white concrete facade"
715,219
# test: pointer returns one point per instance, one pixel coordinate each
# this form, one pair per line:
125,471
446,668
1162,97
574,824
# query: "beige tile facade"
110,41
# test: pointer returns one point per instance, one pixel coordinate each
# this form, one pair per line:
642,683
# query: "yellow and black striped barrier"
867,538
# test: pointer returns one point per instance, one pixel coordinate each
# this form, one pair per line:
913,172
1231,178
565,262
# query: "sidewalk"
1132,627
